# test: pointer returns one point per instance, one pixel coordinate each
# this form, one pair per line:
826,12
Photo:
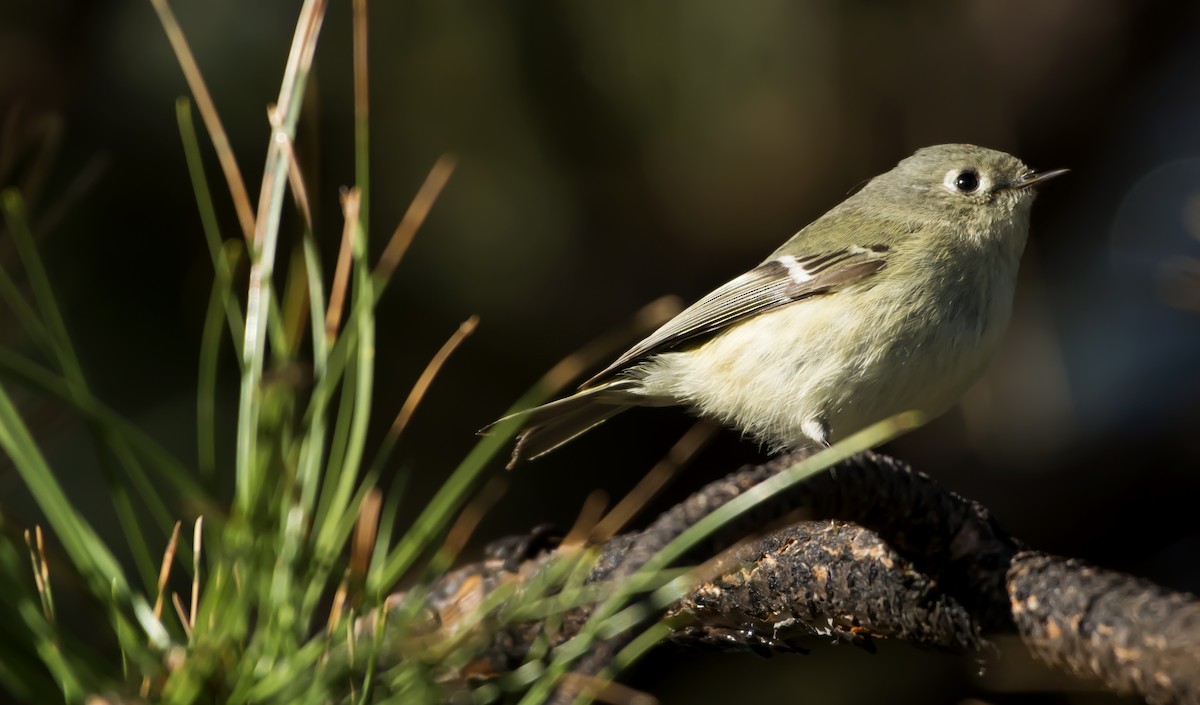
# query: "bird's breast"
845,360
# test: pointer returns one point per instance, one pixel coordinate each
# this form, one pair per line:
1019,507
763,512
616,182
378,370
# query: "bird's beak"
1036,178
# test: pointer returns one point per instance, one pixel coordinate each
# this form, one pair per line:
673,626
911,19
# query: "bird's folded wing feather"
772,284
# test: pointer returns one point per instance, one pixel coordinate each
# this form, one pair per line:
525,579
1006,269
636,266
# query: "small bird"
892,301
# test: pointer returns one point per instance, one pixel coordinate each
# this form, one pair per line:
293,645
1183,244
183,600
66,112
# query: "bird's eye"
967,181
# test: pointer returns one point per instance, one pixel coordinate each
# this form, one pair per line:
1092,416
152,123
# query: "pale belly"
792,375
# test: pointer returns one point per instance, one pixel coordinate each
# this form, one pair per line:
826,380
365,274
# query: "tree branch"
882,552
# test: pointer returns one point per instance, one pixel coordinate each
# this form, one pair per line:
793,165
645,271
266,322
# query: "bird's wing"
774,283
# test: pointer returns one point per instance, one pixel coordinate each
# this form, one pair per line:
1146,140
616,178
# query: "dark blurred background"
610,153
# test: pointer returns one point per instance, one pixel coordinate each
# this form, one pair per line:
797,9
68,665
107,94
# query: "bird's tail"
549,426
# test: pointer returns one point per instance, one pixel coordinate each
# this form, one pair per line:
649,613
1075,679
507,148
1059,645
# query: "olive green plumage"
893,300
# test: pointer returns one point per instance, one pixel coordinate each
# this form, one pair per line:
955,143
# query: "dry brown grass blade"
44,565
338,606
600,349
208,113
645,320
41,569
585,522
653,482
164,574
431,371
361,95
294,173
184,618
468,520
351,200
365,530
164,571
417,211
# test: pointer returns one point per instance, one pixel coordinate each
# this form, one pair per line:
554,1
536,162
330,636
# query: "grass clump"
259,597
